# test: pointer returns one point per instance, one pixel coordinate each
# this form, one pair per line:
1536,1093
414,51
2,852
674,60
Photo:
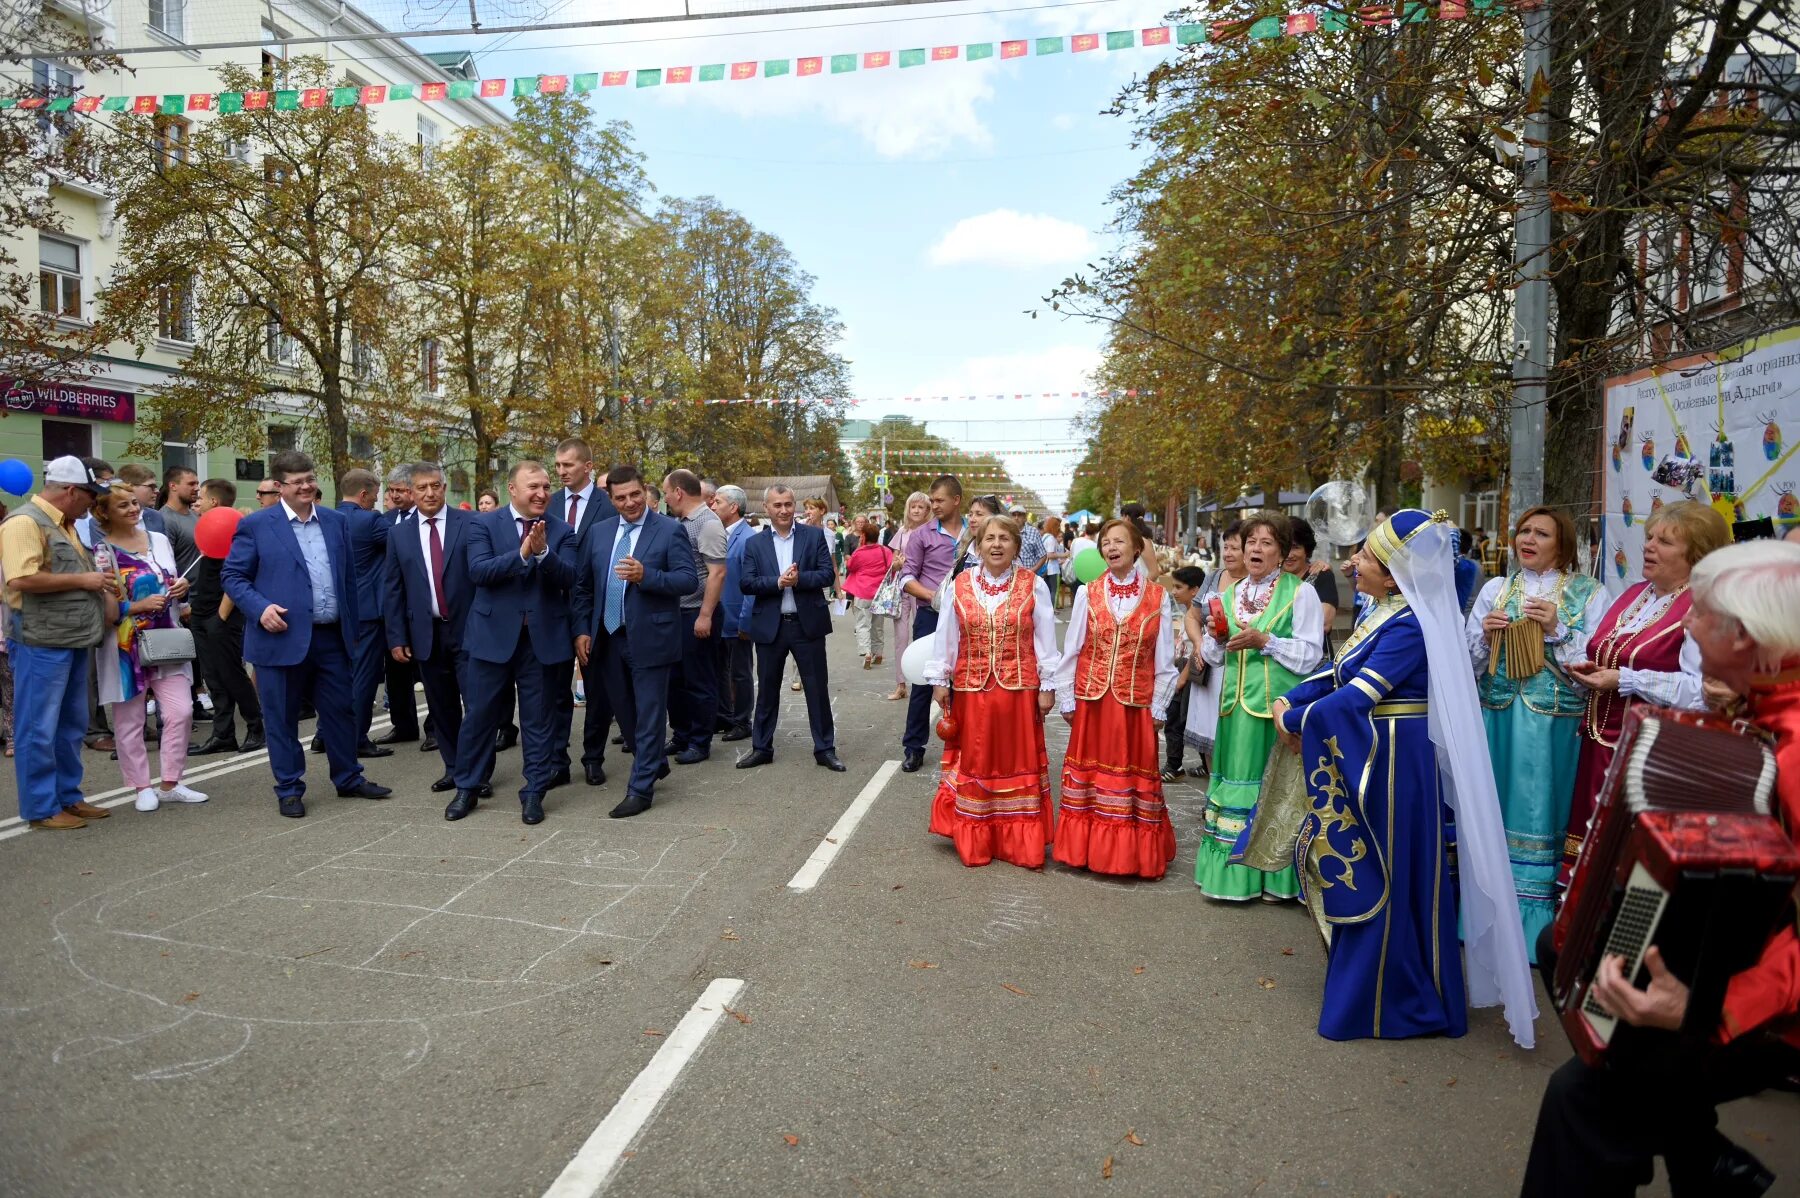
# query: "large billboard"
79,400
1721,428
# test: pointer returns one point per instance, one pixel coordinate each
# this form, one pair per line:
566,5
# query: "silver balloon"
1340,512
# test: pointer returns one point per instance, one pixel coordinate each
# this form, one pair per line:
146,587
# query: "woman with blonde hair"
1641,652
995,651
152,591
1526,632
913,517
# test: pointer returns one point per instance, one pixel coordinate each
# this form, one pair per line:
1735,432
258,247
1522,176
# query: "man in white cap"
58,607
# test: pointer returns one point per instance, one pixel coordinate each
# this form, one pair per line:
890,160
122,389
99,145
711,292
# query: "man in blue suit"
522,562
290,573
737,685
787,568
635,568
357,492
582,503
426,607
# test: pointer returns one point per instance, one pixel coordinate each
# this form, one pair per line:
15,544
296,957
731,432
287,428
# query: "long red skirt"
993,796
1113,819
1596,759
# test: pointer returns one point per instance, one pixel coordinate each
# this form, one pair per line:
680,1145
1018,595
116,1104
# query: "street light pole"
1531,272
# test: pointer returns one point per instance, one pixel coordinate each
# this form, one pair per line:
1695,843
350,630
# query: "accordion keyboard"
1640,911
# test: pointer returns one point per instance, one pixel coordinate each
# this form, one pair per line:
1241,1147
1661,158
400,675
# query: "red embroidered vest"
1654,647
1119,656
995,645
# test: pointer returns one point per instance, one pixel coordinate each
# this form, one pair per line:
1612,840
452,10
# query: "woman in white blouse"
995,652
1272,637
1640,651
1526,633
1113,686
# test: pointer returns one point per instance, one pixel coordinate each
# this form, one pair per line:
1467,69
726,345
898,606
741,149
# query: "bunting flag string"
858,400
1295,24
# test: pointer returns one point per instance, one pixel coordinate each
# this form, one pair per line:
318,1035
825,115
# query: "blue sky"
935,205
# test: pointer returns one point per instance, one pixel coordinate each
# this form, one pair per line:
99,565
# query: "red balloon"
213,532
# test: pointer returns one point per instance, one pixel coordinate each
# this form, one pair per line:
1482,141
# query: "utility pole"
1531,272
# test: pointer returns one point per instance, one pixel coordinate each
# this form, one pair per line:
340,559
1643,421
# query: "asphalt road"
212,1000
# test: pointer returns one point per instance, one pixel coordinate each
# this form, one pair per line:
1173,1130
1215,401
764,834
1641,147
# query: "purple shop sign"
70,399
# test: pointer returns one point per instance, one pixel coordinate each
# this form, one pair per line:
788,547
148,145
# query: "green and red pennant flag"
1014,49
649,77
434,91
810,66
743,70
1049,45
976,51
680,75
877,58
774,67
842,63
256,100
912,58
712,72
1122,40
1158,36
943,53
586,82
614,78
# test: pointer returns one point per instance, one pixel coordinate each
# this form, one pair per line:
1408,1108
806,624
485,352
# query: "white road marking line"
16,826
822,857
600,1158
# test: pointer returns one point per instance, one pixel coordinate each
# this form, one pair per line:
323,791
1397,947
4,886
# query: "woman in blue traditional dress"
1524,632
1392,804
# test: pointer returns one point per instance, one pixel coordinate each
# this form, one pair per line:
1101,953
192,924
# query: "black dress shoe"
317,746
255,743
829,759
428,745
1737,1174
632,805
754,758
461,805
913,760
531,807
447,782
619,740
371,748
364,790
293,808
485,790
505,739
559,778
691,756
674,748
662,771
396,737
595,774
214,744
735,734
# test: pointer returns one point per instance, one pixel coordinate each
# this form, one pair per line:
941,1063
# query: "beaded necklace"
1609,651
1249,600
988,588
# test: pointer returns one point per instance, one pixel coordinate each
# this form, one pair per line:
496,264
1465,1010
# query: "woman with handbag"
864,571
149,632
918,511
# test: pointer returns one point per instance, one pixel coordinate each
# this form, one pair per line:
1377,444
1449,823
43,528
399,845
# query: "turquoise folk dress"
1375,853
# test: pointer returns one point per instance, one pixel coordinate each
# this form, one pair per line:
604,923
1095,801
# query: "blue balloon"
15,477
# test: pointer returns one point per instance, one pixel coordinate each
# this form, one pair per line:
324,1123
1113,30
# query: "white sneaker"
181,794
147,800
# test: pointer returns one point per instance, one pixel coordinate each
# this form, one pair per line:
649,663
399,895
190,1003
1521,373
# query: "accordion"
1683,855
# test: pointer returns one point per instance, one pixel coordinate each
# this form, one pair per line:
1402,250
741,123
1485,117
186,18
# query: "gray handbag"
165,646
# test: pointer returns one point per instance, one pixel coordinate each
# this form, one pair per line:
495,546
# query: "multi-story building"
98,415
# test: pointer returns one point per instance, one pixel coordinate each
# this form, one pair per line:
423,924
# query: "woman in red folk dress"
995,650
1113,687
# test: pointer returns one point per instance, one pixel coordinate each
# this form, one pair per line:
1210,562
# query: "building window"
176,453
459,481
428,140
52,80
362,447
362,357
175,310
169,17
59,276
172,134
65,437
430,362
278,347
282,437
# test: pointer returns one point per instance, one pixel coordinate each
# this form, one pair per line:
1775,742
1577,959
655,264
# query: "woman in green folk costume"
1273,636
1524,632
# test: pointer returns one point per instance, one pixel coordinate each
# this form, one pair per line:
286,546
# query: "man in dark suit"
635,568
426,607
357,492
290,573
403,712
582,503
737,669
522,562
787,568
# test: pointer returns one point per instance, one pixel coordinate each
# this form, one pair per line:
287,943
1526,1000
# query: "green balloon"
1089,565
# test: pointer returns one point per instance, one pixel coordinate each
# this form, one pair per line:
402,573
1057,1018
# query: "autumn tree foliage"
916,456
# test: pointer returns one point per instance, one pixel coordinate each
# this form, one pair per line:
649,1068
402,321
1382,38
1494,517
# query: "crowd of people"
1423,786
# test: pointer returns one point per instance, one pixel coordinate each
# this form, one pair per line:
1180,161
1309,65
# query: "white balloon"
1340,512
912,662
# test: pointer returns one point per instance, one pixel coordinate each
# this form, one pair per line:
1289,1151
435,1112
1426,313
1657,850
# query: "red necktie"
437,569
574,505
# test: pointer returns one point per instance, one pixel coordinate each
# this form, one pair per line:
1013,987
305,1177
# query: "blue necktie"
615,586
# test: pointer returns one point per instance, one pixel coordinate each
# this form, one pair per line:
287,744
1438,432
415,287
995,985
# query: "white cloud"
1004,237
